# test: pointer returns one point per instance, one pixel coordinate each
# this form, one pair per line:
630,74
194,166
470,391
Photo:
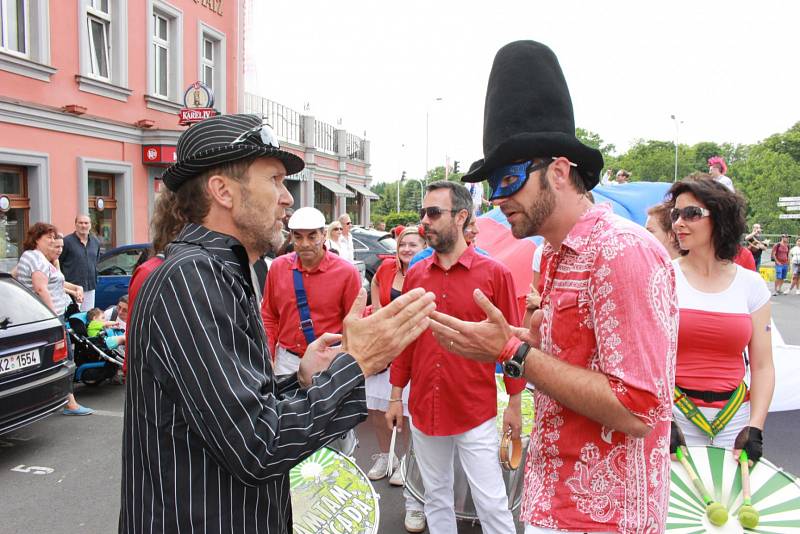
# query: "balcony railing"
289,125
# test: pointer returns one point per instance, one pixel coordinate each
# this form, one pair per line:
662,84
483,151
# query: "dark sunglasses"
688,214
262,135
434,212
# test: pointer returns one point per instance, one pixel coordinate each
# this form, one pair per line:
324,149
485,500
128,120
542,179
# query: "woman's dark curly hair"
727,209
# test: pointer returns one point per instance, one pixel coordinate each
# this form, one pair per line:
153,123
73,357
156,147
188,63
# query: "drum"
331,494
775,495
462,496
346,444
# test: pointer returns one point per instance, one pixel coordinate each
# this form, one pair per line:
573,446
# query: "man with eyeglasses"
453,401
308,292
210,433
601,350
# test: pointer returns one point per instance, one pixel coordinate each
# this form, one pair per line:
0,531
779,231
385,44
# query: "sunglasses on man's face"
434,212
688,214
262,135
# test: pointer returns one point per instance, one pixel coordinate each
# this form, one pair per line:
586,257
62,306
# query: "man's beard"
443,242
536,214
259,236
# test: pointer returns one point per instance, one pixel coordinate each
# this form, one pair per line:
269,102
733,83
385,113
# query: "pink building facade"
90,92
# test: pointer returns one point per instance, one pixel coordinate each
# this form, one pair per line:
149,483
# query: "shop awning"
336,188
363,191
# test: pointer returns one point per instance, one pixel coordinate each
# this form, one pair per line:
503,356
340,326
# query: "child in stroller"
97,357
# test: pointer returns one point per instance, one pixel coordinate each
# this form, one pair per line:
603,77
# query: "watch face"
512,369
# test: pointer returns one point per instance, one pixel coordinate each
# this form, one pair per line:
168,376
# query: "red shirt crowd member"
745,259
331,284
602,359
453,401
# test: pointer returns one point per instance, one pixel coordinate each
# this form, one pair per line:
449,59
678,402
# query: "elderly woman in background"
37,271
659,224
333,237
724,310
387,285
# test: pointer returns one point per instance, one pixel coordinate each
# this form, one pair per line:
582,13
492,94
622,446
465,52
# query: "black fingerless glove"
676,438
751,440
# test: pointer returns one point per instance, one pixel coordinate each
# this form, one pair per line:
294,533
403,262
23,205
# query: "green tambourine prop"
775,495
330,493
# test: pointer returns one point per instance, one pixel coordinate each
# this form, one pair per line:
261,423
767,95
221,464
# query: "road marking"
33,469
109,413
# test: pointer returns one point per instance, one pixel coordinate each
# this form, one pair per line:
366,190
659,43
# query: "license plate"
9,364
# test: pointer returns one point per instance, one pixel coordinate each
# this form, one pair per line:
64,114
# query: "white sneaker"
381,465
415,521
397,477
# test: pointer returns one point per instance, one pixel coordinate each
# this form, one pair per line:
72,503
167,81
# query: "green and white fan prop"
775,494
330,494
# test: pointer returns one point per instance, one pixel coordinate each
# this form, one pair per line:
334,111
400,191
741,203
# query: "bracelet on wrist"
395,400
509,349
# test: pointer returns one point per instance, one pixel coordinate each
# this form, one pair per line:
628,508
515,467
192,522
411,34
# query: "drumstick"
716,512
748,516
391,451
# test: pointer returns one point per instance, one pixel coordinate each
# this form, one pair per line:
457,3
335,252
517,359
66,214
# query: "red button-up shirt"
609,305
331,289
449,393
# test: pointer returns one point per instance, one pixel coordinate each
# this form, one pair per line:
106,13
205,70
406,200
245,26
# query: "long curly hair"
727,209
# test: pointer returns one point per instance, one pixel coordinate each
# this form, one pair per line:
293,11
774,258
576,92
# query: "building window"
103,208
211,65
14,219
98,20
103,43
208,63
161,55
14,27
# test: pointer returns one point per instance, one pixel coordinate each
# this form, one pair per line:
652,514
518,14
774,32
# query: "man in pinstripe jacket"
210,433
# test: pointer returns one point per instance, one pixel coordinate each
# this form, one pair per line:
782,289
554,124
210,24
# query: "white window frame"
104,19
26,15
172,102
116,84
208,63
204,33
35,62
160,43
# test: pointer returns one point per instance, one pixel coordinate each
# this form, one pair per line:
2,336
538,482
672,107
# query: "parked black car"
35,372
372,247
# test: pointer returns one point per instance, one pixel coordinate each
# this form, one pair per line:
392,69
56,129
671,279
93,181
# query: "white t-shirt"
346,248
794,255
727,182
746,294
537,259
33,261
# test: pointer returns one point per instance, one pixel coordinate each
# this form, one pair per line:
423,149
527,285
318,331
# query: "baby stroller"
96,358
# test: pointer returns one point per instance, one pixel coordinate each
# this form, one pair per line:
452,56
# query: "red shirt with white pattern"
609,305
449,393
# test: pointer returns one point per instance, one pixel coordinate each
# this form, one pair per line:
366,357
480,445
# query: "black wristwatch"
515,367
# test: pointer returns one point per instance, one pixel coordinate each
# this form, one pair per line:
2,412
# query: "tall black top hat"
223,139
528,113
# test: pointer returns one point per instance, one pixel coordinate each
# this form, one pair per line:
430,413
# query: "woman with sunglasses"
724,311
334,234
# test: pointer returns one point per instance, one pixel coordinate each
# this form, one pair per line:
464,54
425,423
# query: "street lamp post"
677,131
427,134
402,177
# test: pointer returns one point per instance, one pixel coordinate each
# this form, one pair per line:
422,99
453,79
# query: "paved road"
79,490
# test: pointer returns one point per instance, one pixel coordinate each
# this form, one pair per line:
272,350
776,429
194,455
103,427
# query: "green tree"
786,143
763,177
592,139
654,161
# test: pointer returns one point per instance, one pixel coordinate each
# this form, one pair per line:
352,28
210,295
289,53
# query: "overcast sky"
729,70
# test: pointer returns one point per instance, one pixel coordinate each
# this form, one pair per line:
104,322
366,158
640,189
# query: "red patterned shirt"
610,306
